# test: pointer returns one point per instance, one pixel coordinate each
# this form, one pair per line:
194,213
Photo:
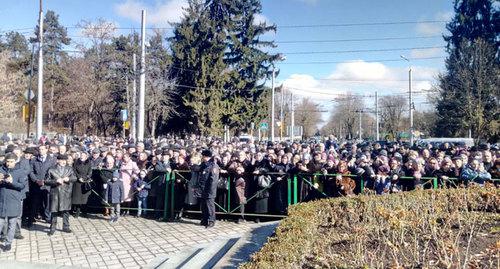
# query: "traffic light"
26,111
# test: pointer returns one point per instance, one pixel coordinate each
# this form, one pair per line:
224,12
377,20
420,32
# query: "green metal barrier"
292,190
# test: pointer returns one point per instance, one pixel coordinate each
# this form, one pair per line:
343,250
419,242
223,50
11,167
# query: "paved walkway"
130,243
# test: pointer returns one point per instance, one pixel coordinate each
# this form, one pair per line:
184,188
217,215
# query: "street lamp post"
280,58
272,104
410,98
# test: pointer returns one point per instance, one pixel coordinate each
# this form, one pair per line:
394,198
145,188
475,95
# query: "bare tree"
100,34
308,115
344,119
80,93
392,110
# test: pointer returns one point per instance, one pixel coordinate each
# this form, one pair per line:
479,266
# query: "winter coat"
83,173
96,163
209,177
239,185
10,193
60,194
191,198
160,169
25,166
128,171
39,171
470,175
115,192
381,184
143,193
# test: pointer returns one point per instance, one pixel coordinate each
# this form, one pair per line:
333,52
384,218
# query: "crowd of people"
50,178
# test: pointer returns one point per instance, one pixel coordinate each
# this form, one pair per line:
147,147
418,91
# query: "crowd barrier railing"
292,190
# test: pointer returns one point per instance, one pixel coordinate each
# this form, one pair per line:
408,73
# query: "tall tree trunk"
51,107
153,128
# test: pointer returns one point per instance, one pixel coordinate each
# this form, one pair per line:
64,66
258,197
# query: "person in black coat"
60,178
23,163
39,192
279,190
207,188
82,187
160,169
12,182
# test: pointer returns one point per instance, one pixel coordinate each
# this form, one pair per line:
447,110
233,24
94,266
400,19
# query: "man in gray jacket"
12,182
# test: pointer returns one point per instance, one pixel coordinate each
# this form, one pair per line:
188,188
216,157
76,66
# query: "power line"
366,50
370,61
355,39
279,26
359,24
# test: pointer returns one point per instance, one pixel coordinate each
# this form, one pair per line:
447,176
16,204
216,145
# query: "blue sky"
356,72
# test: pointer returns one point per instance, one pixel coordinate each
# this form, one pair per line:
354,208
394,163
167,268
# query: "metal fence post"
289,185
228,193
172,185
295,189
165,202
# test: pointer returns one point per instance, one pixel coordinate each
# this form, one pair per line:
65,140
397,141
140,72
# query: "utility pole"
376,115
134,99
30,90
128,104
360,130
411,106
292,120
410,101
272,105
39,98
282,117
142,79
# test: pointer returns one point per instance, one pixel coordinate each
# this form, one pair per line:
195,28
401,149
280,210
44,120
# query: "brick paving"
130,243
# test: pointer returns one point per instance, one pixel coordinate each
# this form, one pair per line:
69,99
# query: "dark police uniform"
207,186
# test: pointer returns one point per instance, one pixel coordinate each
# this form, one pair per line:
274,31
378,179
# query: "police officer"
207,188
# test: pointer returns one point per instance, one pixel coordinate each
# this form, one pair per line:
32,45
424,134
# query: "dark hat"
206,153
30,150
62,157
10,156
158,152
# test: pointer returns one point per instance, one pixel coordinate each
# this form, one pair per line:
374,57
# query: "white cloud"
304,85
363,78
434,28
161,13
424,53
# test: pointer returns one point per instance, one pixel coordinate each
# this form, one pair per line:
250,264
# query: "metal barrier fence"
294,184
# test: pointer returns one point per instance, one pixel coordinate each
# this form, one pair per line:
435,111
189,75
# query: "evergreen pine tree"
469,89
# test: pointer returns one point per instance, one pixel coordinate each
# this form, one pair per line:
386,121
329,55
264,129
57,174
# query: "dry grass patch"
452,228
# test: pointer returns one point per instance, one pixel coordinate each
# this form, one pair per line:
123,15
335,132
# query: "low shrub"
449,228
